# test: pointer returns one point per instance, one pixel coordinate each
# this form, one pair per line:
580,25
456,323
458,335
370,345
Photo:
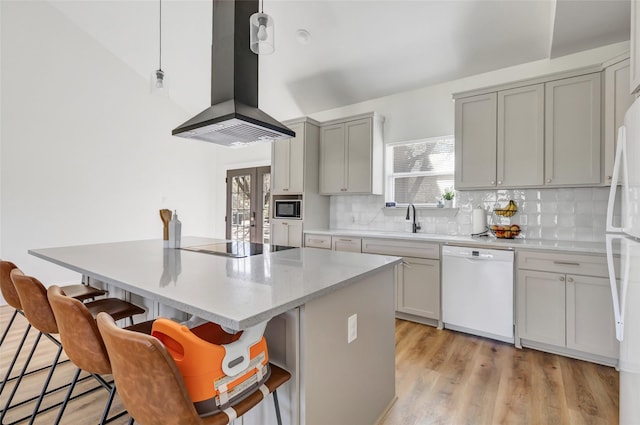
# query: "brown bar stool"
83,344
81,292
151,386
36,308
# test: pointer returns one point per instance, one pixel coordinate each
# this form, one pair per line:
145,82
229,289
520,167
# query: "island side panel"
349,383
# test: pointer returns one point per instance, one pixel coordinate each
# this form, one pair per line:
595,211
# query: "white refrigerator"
625,288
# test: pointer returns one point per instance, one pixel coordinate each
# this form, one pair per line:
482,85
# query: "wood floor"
442,377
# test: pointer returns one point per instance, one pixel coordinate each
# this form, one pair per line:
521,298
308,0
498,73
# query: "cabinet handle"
286,189
548,180
499,181
569,279
566,263
285,224
561,278
345,240
493,182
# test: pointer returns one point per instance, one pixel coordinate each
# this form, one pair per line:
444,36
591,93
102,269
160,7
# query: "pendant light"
262,32
158,82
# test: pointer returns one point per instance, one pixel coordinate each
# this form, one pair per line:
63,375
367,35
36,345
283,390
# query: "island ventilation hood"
233,118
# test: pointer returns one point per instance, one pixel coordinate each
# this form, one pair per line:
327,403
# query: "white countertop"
234,292
488,241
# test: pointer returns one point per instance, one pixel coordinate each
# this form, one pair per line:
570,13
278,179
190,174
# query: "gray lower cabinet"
417,277
541,306
286,232
418,287
567,308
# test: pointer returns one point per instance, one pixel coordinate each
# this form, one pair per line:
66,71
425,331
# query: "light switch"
352,328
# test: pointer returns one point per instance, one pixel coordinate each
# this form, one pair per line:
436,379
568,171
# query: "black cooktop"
237,249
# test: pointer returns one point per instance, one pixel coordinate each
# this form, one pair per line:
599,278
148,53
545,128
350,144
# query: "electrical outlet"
352,328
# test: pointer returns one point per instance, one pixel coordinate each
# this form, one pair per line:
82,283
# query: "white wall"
87,152
429,111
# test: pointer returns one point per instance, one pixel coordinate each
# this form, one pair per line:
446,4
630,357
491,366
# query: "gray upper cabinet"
542,132
351,156
475,141
572,134
288,163
521,137
617,100
634,77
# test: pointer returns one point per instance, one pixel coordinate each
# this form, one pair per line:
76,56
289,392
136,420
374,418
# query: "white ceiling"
359,49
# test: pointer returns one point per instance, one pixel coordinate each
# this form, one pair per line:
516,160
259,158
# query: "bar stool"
83,344
81,292
36,308
151,386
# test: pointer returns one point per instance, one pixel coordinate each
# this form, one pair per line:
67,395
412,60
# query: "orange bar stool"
152,388
83,344
81,292
36,308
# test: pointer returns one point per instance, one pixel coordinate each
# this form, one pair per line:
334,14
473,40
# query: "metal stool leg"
22,372
15,358
68,396
277,405
46,383
6,331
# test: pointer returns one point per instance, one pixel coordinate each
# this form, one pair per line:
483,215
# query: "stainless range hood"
233,119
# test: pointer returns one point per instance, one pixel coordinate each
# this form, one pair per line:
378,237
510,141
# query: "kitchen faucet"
415,226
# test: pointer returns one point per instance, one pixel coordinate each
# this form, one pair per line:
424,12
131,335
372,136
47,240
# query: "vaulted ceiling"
358,49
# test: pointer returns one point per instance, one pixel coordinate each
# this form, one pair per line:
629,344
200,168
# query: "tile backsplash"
551,214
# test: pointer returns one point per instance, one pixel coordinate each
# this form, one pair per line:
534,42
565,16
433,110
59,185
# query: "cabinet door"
358,151
332,159
635,49
286,232
521,137
540,306
572,135
590,319
418,290
296,160
294,235
616,102
475,141
346,244
280,167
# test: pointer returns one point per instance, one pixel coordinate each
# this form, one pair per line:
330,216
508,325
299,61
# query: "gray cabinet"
520,149
634,77
617,100
475,141
572,131
418,287
417,278
286,232
590,325
347,244
351,156
564,305
540,305
543,132
287,162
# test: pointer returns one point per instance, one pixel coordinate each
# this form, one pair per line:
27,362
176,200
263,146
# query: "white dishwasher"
477,291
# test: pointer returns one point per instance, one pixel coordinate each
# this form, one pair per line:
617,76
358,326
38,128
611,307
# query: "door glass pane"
266,195
241,208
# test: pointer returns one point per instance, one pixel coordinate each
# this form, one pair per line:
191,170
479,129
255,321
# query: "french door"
248,194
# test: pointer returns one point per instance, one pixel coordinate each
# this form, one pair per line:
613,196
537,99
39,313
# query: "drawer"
317,241
401,248
587,265
342,243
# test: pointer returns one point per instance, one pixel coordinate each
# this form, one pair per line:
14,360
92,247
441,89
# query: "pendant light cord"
160,37
262,6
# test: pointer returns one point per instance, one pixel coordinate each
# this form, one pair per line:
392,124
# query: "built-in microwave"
288,208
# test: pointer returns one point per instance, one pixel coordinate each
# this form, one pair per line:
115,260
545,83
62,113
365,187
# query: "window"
419,171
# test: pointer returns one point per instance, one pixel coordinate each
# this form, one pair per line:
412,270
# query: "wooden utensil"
165,216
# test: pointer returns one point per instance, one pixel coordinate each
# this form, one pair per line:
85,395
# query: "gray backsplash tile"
554,214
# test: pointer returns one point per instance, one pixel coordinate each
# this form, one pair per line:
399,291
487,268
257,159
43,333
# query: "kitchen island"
307,294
